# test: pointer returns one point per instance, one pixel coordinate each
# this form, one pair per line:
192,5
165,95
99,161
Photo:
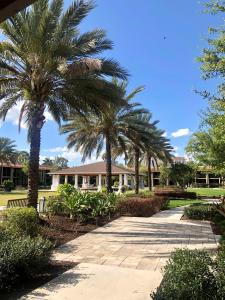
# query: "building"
15,173
93,176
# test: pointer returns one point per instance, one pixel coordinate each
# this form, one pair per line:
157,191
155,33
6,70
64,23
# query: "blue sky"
157,42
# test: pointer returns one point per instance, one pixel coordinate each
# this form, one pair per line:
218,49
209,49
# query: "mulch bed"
61,229
53,270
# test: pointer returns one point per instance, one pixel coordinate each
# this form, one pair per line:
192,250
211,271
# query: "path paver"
139,243
123,259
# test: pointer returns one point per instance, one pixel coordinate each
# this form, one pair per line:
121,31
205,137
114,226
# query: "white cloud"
56,149
181,132
69,154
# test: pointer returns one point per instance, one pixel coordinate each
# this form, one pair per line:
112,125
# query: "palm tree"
7,152
157,148
47,162
22,157
108,128
47,65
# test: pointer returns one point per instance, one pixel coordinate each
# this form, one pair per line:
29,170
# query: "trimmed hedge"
200,212
141,207
176,195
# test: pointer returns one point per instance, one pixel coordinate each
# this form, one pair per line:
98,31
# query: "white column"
66,178
84,181
88,180
152,179
120,182
76,182
207,178
125,179
55,182
99,182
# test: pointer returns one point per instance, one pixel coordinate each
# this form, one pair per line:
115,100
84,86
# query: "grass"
180,202
5,196
210,192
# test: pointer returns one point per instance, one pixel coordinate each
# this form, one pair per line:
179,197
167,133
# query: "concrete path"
123,260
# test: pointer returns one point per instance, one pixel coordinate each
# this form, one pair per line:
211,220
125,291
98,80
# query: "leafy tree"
22,157
108,128
47,162
182,174
60,163
165,172
47,65
7,151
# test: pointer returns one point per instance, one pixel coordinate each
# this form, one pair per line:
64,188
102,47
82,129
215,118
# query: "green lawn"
180,202
210,192
5,196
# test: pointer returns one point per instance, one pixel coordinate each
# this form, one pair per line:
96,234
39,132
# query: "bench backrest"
17,203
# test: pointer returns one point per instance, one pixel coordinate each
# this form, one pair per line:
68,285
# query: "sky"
158,42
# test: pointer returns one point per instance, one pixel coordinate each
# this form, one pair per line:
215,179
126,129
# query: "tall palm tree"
108,127
157,148
7,152
47,65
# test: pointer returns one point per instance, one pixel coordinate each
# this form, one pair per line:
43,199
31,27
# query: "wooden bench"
17,203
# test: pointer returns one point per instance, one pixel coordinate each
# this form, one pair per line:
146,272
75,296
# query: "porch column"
125,180
152,179
120,182
55,182
84,181
207,179
99,182
66,178
76,182
88,180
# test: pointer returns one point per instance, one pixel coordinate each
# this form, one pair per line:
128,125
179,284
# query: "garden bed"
61,229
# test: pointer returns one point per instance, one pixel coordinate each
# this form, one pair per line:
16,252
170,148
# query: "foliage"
65,190
8,185
182,174
175,193
200,212
7,150
140,207
59,163
55,206
84,206
21,221
189,274
165,171
21,257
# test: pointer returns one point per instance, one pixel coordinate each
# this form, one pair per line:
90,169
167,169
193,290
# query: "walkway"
127,251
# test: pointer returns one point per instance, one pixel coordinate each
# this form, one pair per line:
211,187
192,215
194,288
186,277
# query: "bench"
17,203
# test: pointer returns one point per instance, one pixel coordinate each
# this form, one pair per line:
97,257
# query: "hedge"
200,212
141,207
176,195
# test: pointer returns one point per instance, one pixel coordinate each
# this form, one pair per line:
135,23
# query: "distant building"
15,173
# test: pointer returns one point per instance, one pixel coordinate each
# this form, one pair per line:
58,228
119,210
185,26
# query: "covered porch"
93,177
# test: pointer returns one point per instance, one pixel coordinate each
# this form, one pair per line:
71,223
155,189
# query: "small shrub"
56,206
189,274
21,221
65,189
21,258
104,189
200,212
140,207
174,192
8,185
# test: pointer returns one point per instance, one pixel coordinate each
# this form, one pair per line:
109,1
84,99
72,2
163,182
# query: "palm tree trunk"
108,164
136,168
33,164
149,174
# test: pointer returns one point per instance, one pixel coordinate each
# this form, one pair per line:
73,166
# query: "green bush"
21,257
200,212
65,189
56,206
8,185
21,221
189,274
140,207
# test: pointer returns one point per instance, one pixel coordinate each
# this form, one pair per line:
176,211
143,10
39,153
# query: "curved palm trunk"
33,164
108,164
136,168
149,174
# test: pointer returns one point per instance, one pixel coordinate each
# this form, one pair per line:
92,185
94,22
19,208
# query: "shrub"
200,212
104,189
177,195
65,189
21,221
189,274
56,206
21,258
140,207
8,185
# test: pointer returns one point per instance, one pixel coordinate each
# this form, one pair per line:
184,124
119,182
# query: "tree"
47,65
107,128
182,174
47,162
60,163
22,157
7,151
165,172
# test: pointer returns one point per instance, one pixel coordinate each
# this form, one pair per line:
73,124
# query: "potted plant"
8,185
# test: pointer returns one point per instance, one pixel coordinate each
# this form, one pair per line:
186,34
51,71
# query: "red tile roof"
94,168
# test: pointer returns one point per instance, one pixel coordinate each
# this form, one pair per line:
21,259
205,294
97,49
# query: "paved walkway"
110,252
